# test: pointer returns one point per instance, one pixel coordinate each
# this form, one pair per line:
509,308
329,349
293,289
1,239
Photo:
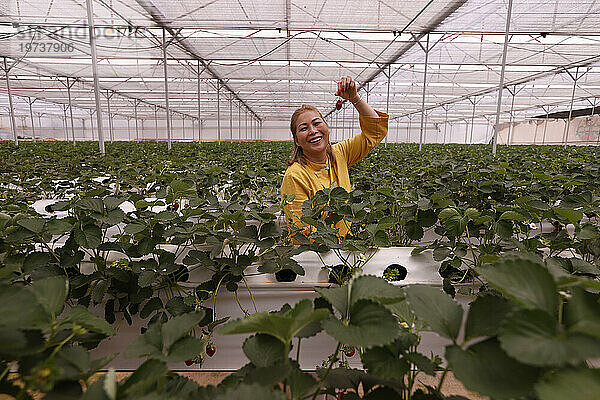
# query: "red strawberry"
187,206
349,351
175,206
338,105
211,350
189,362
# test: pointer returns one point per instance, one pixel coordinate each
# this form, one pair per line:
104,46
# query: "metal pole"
110,121
40,124
10,103
240,122
246,123
137,133
501,85
92,123
421,134
183,126
31,115
164,46
156,122
535,133
408,128
128,131
231,120
83,128
71,109
66,124
445,124
199,119
387,100
219,111
472,122
568,125
90,17
512,107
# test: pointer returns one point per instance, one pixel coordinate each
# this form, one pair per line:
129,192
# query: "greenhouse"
300,199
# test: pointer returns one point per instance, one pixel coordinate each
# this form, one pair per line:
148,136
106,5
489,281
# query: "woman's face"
312,134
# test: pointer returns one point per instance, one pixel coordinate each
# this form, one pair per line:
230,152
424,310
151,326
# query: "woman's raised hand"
347,89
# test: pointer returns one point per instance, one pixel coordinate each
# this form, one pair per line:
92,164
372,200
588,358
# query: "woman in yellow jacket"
316,164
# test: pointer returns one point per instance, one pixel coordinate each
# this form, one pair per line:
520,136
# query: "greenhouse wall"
582,131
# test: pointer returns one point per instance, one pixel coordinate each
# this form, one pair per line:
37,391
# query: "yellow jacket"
304,181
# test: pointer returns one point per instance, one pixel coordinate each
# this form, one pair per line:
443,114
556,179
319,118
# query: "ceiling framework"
269,58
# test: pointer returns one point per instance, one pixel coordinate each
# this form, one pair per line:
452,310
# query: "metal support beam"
472,120
445,124
230,120
421,132
501,84
240,122
13,124
199,114
92,33
156,124
137,133
183,126
219,112
165,73
512,108
110,120
30,102
128,129
65,121
568,124
387,100
69,84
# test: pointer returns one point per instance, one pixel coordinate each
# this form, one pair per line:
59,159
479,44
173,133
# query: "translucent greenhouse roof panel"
540,16
73,13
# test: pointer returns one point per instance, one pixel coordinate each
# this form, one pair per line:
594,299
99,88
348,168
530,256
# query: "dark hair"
298,153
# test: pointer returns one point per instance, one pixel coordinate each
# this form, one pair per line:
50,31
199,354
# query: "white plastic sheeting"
267,58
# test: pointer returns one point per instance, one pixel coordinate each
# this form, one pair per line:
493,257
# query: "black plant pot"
285,275
394,273
339,274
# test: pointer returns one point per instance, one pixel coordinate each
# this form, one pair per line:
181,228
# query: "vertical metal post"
156,122
165,73
83,130
92,123
568,125
92,33
246,123
512,107
344,124
10,103
472,122
445,124
183,126
421,133
199,116
66,124
71,109
387,100
408,129
137,133
40,124
31,115
219,111
536,130
128,129
231,120
501,85
240,122
142,130
110,121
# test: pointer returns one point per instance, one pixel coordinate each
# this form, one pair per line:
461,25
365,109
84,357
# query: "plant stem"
297,352
337,350
439,386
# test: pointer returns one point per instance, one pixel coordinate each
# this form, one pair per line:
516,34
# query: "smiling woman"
316,164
